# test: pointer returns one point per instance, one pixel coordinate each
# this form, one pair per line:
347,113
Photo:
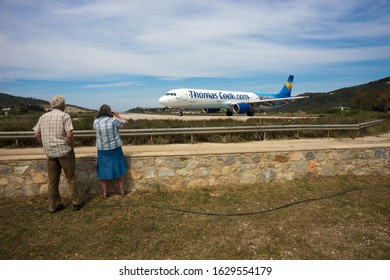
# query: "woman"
111,163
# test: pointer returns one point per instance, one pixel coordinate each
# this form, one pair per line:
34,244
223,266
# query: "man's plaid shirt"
53,127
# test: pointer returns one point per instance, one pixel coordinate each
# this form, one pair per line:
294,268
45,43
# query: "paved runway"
189,117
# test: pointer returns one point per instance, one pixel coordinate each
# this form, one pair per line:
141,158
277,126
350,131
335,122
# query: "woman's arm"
119,116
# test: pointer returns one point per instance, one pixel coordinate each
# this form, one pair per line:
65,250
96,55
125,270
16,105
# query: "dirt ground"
382,141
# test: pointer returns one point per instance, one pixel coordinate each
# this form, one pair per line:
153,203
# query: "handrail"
205,130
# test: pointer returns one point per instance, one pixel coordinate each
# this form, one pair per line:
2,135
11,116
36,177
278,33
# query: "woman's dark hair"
104,111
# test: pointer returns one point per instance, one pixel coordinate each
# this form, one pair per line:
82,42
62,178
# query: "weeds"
84,121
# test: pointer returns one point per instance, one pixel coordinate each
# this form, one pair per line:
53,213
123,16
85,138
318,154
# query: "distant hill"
7,100
373,96
24,103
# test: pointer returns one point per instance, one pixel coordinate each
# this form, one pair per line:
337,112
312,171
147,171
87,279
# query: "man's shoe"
59,208
77,207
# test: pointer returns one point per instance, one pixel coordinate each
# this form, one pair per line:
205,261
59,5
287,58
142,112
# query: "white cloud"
54,40
117,84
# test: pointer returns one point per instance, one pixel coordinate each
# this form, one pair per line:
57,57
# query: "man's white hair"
57,102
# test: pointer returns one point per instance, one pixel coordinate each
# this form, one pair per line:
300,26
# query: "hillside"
373,96
32,104
7,100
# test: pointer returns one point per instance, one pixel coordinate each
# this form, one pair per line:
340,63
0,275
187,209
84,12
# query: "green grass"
150,224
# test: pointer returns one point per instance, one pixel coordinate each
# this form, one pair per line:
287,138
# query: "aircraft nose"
163,100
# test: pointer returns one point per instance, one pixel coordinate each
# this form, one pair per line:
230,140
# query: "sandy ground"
382,141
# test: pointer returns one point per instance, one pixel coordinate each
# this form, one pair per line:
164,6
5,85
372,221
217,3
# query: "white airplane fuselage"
201,98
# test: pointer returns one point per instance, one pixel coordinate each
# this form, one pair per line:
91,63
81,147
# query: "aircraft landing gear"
180,114
229,113
250,113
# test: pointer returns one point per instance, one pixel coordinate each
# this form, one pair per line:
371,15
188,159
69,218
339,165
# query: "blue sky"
128,53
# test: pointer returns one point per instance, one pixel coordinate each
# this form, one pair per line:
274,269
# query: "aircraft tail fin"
287,88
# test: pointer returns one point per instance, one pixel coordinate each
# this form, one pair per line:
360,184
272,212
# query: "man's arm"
70,138
38,137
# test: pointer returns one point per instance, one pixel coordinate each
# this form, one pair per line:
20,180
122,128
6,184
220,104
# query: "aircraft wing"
272,101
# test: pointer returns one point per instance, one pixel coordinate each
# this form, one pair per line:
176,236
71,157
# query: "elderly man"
54,131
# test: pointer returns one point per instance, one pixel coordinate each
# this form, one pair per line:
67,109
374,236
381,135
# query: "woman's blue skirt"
111,164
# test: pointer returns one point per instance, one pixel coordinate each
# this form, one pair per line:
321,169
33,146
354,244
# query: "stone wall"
29,177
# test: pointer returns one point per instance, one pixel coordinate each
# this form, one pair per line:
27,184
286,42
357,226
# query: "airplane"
211,101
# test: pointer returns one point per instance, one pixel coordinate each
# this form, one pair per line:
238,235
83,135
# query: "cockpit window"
171,93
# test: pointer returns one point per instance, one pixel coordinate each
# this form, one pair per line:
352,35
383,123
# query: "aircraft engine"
241,108
211,110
